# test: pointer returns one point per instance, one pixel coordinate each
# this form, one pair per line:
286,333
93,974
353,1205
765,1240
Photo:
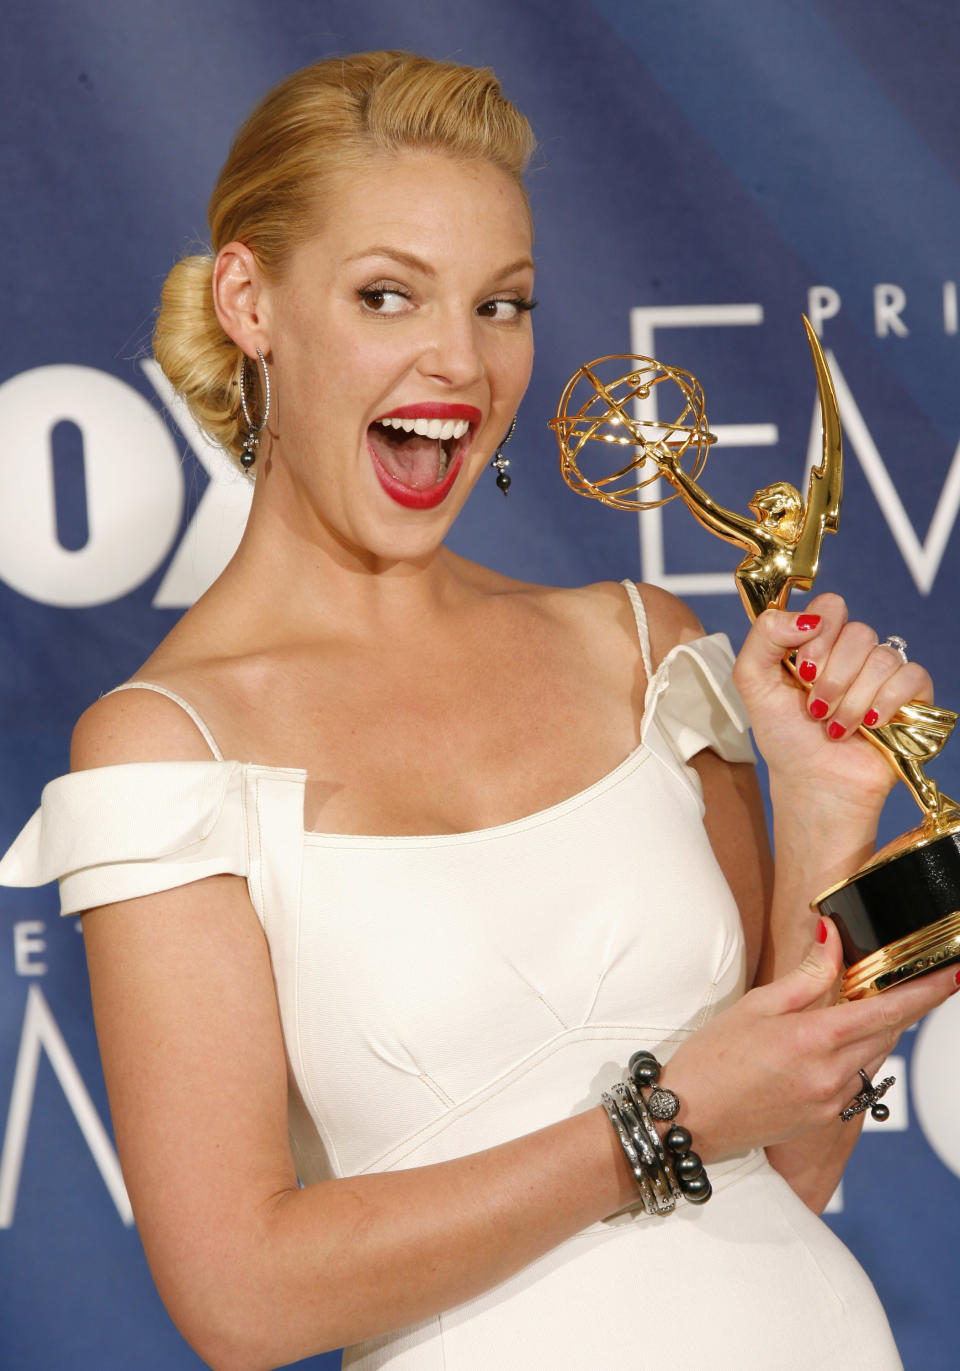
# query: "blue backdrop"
707,169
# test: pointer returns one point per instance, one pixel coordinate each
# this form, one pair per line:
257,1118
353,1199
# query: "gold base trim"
927,948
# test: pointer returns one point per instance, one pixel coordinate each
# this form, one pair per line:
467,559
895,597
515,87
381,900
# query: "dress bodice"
444,993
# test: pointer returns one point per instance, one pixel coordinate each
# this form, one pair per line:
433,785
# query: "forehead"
440,208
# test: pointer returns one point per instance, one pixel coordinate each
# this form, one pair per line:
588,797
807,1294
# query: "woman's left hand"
809,740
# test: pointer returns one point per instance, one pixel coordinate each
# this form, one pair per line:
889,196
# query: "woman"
437,1011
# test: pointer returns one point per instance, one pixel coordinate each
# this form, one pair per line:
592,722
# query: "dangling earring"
500,462
252,440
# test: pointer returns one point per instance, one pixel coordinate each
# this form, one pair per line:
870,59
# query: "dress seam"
464,1107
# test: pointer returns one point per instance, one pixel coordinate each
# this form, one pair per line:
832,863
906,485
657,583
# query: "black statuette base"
900,916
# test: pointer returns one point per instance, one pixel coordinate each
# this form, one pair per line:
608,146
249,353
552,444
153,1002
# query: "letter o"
134,486
933,1075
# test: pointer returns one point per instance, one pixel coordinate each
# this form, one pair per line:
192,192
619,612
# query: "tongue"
413,460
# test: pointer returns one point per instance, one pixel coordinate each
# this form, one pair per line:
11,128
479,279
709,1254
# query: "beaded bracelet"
644,1070
665,1168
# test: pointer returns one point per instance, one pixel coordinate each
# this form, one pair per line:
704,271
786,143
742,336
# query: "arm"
736,825
255,1271
826,795
825,813
734,528
779,928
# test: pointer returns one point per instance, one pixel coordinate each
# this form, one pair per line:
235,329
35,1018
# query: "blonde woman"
388,864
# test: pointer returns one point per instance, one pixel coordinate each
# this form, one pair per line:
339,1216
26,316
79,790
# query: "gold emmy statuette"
899,915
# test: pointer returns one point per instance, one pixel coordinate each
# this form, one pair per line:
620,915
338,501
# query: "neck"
294,576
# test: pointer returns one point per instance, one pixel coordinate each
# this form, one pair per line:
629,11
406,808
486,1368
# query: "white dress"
443,994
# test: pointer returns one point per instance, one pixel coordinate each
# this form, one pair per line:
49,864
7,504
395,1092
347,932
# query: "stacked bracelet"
684,1165
664,1168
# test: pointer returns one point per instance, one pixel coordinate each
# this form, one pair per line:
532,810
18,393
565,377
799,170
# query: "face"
777,509
401,344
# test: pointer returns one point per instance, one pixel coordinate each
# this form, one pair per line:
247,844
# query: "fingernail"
807,670
818,708
836,730
870,718
807,621
821,932
956,979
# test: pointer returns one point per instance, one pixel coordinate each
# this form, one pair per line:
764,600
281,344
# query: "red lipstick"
428,496
433,409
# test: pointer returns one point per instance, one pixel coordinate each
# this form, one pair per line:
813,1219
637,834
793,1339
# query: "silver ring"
869,1098
898,644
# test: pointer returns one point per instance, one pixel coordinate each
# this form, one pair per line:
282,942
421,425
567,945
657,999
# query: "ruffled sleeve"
691,703
116,832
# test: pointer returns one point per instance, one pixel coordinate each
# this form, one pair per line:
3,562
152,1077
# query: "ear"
238,298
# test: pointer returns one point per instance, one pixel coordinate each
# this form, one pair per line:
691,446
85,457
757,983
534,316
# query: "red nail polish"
807,670
956,978
818,708
870,718
836,730
807,621
822,932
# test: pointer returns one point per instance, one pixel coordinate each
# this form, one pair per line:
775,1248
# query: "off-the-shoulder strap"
691,704
116,832
185,705
643,632
692,699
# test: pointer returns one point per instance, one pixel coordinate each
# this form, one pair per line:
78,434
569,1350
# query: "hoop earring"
500,462
252,440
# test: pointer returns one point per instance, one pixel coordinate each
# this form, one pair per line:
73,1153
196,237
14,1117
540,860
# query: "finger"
775,633
832,611
812,984
855,1085
877,692
873,1025
862,1034
839,672
910,682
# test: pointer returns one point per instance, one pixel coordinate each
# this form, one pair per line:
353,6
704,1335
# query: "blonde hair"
326,118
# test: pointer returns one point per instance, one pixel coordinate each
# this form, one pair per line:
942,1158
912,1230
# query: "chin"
397,540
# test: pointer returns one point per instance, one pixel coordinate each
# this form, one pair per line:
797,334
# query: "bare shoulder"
669,620
135,726
605,604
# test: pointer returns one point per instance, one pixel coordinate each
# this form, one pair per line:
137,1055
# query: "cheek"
515,367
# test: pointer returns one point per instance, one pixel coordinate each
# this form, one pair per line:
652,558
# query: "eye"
506,308
383,298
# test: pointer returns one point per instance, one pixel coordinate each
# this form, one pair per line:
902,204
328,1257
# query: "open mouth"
418,450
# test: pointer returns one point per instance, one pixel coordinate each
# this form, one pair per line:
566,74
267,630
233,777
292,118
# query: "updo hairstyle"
331,116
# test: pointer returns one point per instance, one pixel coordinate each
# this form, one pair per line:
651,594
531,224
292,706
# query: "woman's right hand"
784,1060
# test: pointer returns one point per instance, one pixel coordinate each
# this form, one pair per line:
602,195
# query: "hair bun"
197,357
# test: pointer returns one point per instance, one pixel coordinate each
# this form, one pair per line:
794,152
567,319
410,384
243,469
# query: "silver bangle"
642,1150
630,1151
646,1146
665,1166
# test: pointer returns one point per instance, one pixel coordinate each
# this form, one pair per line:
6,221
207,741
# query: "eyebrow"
410,259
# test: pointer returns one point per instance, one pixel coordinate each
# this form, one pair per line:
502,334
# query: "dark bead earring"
500,463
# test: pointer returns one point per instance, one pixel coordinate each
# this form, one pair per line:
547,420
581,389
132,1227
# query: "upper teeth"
429,428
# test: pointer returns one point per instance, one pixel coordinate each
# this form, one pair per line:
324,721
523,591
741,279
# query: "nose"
453,353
